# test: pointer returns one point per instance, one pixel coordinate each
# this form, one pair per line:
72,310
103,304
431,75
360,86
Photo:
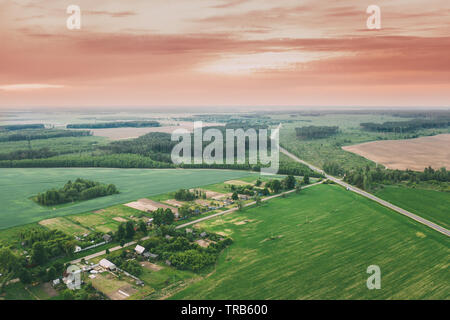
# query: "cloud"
28,86
119,14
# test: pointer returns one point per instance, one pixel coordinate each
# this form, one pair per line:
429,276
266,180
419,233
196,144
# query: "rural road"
389,205
103,252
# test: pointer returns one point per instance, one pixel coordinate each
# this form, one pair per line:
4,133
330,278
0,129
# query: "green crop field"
318,245
18,185
429,204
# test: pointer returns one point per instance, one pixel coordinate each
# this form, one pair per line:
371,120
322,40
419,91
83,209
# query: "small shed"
107,264
139,249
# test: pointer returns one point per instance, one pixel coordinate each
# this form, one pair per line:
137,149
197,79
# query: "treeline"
185,195
28,154
41,134
366,178
13,127
88,161
316,132
116,124
156,145
81,189
406,126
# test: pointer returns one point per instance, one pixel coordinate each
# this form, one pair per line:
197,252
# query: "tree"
121,233
51,273
68,295
168,217
258,200
240,205
38,253
275,185
289,182
298,188
107,251
142,226
25,276
129,230
306,179
235,196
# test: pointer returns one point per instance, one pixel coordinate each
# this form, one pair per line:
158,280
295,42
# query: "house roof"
139,249
107,264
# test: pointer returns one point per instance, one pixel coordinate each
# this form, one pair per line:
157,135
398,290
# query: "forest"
81,189
316,132
116,124
34,134
406,126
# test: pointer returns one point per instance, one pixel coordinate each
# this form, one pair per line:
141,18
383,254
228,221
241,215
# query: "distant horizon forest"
316,132
80,189
406,126
116,124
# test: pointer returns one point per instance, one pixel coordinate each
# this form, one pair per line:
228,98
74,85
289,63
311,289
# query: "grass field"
18,185
318,245
429,204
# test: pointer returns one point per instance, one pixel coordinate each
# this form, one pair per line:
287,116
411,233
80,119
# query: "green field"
18,185
429,204
318,245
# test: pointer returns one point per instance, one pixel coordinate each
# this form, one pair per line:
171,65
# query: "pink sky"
224,53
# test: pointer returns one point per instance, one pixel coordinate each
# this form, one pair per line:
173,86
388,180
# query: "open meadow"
17,186
429,204
318,245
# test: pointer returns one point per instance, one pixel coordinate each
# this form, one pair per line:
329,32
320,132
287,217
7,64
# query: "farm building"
139,249
107,237
107,264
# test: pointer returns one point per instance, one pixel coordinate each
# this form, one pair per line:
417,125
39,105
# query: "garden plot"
148,205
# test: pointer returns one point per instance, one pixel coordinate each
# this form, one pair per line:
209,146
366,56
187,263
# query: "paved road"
389,205
103,252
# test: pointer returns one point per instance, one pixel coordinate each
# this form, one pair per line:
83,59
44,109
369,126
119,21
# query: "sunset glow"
224,52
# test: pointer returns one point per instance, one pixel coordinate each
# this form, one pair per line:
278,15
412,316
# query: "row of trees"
37,134
14,127
81,189
116,124
406,126
185,195
367,177
28,154
88,161
316,132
